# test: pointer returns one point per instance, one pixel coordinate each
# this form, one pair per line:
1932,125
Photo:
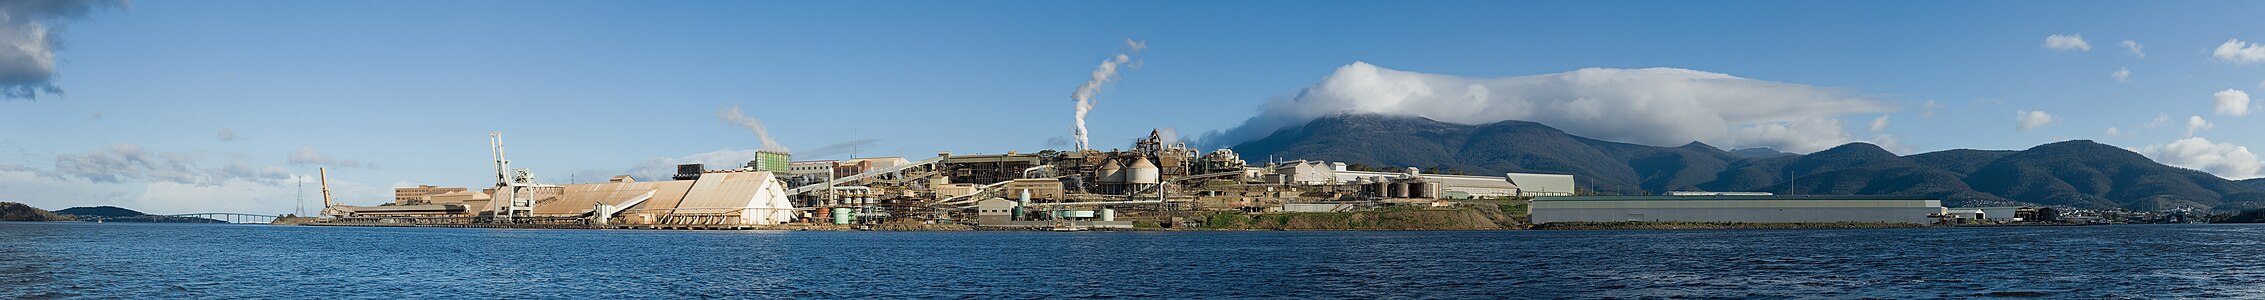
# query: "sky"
228,106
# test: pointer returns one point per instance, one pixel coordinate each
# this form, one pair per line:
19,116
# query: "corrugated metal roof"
721,192
577,199
1546,183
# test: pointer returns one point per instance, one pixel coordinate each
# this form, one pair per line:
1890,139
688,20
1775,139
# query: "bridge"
230,217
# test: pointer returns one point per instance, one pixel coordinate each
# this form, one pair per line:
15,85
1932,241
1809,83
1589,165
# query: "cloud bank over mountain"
1652,106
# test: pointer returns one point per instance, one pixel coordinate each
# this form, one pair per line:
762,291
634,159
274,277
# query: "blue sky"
404,92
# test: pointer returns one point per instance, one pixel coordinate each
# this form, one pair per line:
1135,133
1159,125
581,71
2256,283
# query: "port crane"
514,188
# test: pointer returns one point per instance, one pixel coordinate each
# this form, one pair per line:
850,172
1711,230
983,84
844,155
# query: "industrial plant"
1154,184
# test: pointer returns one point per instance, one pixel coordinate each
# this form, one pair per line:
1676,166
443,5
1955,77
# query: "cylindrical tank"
1143,172
1108,215
1399,190
1379,187
1110,172
1419,189
1017,214
841,216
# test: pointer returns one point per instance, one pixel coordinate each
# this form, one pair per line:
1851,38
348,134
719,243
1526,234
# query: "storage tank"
1419,189
1399,190
841,216
1108,215
1142,172
1110,172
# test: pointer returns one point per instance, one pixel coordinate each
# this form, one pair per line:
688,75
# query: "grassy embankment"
1715,225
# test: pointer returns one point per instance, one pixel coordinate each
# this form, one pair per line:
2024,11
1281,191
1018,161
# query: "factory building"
1413,183
1540,185
1737,208
714,198
770,160
420,194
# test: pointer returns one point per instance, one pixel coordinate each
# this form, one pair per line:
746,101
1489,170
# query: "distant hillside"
2255,182
2075,173
11,211
117,214
101,211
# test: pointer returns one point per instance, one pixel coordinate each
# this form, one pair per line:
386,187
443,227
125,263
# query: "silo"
1417,188
1140,176
1142,172
1378,187
1400,189
1111,178
1110,172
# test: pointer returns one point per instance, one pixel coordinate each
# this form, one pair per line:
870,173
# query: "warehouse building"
1540,185
1437,185
713,198
1737,208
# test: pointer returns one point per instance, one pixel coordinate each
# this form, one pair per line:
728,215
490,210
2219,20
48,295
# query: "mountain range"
2076,173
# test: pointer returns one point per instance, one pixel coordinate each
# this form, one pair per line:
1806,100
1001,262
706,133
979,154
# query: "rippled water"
47,260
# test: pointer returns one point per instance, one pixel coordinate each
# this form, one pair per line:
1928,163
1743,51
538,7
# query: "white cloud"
309,157
30,34
1880,124
2067,42
128,175
2238,52
1656,106
129,162
2223,159
2026,120
2135,48
232,195
1804,135
2112,131
2196,123
1927,111
1891,144
2121,75
2232,102
2160,120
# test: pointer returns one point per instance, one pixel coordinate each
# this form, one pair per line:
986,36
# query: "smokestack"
1102,75
734,117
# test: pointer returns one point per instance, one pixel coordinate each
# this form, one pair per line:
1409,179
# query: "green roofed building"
1737,208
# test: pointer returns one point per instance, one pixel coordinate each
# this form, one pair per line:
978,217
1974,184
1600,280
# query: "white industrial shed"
1737,208
1530,184
716,198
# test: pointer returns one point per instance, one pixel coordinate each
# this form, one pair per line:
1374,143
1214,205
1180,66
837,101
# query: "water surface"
115,260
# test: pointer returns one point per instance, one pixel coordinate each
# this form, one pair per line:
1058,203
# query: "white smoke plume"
735,117
28,40
1102,75
1655,106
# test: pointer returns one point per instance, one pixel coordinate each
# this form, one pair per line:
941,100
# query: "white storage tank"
1111,173
1143,172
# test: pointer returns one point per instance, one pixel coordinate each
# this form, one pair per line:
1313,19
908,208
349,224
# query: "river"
172,261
